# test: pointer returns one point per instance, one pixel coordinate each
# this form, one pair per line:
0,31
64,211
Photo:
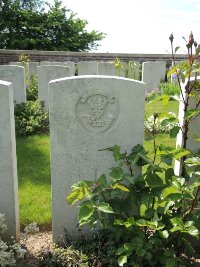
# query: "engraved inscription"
97,113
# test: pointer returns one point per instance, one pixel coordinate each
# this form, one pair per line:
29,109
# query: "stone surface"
87,68
108,68
151,75
72,67
46,73
30,67
69,64
15,75
33,68
89,113
163,70
194,127
8,166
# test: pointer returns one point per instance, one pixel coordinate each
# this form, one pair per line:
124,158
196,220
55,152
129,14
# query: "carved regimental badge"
97,113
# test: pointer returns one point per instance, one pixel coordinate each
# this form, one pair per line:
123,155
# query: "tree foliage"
54,29
32,4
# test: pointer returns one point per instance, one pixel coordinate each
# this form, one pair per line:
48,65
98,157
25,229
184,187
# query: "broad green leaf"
171,71
122,260
118,222
165,100
149,213
85,212
181,153
192,112
143,209
154,225
116,173
164,234
177,221
168,205
75,196
102,180
174,131
129,178
129,222
170,190
141,252
182,77
105,207
153,180
170,262
136,153
116,153
169,173
121,250
121,187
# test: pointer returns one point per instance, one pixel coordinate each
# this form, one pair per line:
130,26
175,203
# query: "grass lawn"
33,158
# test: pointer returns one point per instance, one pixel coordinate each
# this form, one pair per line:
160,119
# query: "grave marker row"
8,165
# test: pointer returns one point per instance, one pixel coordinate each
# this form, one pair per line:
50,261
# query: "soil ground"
35,244
42,242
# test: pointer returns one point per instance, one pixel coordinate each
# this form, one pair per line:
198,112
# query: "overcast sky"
139,26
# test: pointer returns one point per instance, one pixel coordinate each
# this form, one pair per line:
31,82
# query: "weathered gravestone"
108,68
163,70
151,75
30,67
15,75
8,166
69,64
87,68
33,68
47,73
194,126
89,113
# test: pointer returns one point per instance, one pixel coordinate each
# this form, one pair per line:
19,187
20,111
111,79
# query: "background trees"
26,25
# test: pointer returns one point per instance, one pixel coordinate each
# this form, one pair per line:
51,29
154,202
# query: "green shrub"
141,214
30,118
169,89
97,251
32,88
63,257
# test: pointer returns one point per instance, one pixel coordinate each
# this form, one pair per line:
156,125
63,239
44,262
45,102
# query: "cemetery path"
41,242
35,245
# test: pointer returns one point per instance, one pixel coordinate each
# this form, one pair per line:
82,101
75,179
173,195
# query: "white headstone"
33,68
46,73
87,68
194,126
30,67
44,63
163,69
69,64
89,113
15,75
106,68
151,75
8,165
